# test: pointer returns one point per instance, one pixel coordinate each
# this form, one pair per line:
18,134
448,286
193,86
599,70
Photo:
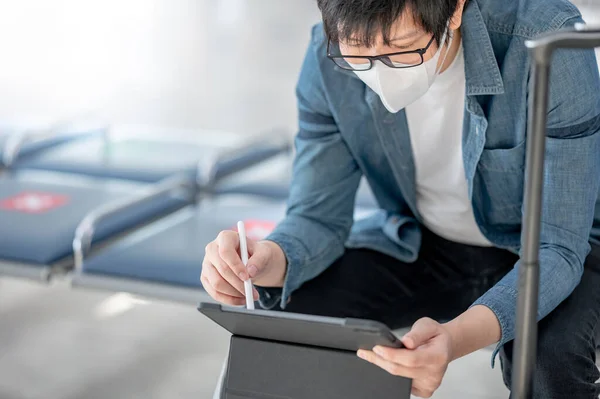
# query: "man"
428,100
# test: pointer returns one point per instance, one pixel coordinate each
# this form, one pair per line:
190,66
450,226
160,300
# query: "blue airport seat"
41,211
3,137
272,179
148,159
31,147
164,259
595,235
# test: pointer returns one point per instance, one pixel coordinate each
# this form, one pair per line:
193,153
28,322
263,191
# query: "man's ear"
456,19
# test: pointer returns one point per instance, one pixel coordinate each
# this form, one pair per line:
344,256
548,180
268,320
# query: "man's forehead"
403,28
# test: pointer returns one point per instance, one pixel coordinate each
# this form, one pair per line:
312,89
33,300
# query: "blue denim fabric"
345,133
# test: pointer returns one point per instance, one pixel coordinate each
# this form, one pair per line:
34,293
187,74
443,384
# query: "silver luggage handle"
541,50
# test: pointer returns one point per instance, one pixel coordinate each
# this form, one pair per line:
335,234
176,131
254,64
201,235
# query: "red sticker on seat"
33,202
258,229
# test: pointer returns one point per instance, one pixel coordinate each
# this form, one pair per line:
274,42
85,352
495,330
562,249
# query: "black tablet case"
260,369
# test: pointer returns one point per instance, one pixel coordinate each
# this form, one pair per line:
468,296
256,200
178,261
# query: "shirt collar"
481,68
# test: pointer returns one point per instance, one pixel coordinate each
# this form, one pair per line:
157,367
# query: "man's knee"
571,351
565,365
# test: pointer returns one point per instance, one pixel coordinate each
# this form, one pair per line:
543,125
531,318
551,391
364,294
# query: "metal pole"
524,351
526,336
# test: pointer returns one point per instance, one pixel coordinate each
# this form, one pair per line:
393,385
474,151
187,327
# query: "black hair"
364,20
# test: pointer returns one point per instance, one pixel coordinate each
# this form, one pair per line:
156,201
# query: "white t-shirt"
435,122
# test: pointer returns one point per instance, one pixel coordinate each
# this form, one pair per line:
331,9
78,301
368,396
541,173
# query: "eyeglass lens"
395,61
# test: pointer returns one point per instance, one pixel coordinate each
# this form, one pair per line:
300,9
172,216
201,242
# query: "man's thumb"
422,331
257,260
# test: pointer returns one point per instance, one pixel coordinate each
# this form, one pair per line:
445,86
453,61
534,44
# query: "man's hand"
425,359
223,273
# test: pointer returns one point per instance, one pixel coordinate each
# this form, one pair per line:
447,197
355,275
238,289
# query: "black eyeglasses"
402,59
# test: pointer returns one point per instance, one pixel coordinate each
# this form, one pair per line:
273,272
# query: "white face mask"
399,87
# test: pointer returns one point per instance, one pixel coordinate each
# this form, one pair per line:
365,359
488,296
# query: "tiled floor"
60,344
226,64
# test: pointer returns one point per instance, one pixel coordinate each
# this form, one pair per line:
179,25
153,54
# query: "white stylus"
244,254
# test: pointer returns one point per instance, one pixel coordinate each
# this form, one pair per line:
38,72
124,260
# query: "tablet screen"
330,332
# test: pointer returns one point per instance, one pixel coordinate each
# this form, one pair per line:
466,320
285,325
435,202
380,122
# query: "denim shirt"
345,132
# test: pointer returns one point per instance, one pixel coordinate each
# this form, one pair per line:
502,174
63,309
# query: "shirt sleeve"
571,184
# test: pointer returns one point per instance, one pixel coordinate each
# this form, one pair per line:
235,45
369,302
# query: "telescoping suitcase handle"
541,50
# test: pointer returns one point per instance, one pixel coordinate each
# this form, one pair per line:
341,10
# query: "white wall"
194,63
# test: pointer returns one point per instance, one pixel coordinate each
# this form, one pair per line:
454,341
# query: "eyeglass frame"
384,58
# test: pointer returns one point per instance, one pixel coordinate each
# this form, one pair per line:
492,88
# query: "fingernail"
378,350
361,354
252,270
243,276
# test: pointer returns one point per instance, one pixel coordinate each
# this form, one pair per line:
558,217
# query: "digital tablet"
329,332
